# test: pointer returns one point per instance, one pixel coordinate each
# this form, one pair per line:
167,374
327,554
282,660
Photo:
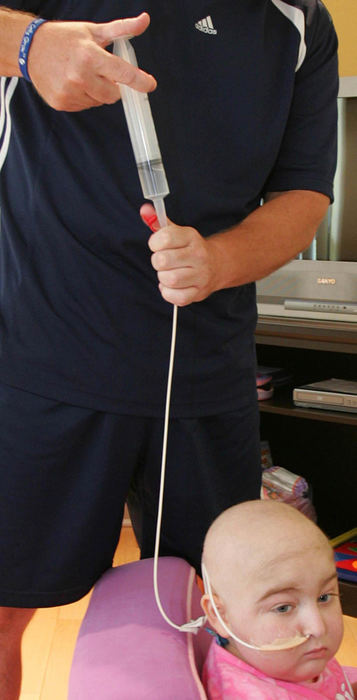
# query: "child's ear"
209,611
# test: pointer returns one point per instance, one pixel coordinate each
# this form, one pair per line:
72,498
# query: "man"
245,110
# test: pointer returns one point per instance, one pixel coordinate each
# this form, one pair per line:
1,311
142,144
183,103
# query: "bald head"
253,538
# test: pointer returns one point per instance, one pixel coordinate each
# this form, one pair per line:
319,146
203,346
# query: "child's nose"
314,623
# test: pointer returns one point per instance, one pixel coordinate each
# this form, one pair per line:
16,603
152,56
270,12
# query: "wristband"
25,46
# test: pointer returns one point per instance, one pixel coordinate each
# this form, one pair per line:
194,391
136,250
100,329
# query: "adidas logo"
206,25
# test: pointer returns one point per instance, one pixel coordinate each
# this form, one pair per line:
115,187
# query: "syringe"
143,137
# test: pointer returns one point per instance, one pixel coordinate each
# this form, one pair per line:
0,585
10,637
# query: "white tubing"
193,625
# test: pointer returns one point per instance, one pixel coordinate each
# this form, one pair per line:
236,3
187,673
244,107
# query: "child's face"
296,593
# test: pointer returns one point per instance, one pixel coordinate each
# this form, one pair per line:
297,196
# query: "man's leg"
13,622
213,462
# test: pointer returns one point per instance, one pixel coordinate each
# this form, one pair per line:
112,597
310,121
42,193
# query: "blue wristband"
25,46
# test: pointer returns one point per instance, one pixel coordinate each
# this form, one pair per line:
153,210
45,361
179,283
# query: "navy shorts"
66,472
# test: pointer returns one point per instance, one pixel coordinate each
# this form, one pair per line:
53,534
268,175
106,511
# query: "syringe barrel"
142,131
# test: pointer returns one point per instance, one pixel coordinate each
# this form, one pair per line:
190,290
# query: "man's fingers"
113,67
171,259
179,297
102,91
125,73
105,33
116,70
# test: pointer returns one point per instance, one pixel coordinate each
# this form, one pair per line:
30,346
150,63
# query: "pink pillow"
126,650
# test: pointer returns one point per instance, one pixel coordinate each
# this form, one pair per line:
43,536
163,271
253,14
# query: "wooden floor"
50,639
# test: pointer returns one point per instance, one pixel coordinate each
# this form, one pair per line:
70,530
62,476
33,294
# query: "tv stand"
338,336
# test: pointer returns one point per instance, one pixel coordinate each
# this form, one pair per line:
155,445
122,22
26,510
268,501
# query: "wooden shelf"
282,403
333,336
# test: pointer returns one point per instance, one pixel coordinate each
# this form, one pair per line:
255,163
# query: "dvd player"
331,394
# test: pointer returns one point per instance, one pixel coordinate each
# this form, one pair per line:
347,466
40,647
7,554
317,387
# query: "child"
273,581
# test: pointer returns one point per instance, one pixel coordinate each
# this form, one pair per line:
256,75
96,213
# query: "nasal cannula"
154,186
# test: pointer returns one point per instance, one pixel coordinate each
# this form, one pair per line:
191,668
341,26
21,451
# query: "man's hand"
71,69
182,258
190,267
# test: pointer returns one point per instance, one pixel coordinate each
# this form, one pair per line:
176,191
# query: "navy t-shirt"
245,104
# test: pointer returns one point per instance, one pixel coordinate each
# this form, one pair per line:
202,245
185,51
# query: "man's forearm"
268,238
12,27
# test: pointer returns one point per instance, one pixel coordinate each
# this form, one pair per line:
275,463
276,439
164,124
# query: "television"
321,283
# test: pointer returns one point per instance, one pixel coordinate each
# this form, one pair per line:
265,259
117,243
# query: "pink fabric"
351,673
125,650
226,677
